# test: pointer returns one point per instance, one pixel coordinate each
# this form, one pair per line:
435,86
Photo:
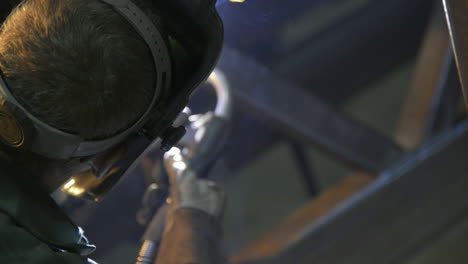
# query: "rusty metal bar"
416,110
293,227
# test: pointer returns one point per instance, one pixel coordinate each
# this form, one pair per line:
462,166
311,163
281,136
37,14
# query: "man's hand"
188,191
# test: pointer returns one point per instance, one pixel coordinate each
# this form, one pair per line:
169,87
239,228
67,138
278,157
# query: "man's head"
79,66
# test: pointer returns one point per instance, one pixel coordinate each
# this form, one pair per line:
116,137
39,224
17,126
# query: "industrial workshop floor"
267,191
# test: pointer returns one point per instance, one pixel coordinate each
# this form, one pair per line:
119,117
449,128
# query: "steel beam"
447,99
418,103
304,117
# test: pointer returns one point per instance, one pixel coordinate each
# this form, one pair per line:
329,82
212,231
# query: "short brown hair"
77,65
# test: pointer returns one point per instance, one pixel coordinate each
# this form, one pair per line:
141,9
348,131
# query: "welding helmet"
101,163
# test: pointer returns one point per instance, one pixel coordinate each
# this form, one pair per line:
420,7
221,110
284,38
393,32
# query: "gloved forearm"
192,237
192,229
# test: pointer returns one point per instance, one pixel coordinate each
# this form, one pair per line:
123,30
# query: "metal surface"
223,94
207,132
446,101
456,12
304,117
402,211
429,64
293,227
147,252
306,168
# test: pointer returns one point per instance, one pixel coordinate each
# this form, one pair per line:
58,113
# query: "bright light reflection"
237,1
76,191
177,157
69,184
179,165
173,151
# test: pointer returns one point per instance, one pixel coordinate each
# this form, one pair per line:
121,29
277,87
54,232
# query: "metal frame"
446,101
422,193
283,105
421,197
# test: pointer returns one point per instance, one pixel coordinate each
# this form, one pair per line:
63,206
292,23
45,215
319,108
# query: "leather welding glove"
192,234
189,191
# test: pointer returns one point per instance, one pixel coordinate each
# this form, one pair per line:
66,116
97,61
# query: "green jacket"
33,229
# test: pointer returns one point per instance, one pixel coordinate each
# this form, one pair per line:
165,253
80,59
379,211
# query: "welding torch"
194,155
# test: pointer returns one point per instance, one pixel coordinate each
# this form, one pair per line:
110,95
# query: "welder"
86,89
